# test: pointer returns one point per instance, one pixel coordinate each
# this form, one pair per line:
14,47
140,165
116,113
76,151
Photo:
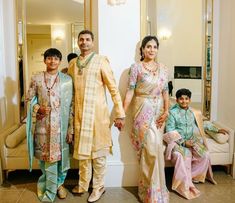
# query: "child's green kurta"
184,122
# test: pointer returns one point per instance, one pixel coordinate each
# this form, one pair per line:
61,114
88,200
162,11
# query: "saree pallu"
152,186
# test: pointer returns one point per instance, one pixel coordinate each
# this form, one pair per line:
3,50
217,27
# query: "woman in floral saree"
148,87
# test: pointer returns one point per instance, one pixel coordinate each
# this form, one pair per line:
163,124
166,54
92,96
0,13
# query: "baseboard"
121,174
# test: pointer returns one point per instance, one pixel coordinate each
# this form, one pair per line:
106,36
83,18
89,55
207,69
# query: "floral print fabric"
47,131
145,137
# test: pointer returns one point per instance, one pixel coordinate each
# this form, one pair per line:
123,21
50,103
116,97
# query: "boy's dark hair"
86,32
71,56
183,91
52,52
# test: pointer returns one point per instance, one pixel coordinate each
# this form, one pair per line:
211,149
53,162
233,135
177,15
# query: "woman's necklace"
153,68
50,88
81,66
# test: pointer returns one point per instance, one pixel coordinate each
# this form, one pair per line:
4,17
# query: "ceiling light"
79,1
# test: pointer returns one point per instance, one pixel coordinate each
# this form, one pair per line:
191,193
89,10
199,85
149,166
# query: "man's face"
52,62
183,101
85,43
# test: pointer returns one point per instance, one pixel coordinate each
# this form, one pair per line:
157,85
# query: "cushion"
218,137
215,147
16,137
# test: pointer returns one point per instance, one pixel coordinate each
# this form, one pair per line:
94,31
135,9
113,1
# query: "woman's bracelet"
166,112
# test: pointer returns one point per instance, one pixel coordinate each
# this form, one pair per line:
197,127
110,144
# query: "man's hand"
119,123
69,138
223,131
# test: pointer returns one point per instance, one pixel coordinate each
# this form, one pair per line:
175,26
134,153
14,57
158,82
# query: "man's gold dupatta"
88,114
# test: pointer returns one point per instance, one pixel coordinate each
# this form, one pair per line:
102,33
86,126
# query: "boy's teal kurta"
184,121
66,89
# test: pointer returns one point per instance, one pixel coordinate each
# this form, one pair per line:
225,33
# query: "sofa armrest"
6,132
3,136
230,139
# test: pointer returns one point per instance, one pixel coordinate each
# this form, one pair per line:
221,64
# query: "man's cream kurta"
102,142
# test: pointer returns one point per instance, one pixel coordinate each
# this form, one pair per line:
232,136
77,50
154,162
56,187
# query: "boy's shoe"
96,194
62,192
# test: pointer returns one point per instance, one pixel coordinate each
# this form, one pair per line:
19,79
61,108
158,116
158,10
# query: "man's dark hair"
86,32
52,52
183,91
71,56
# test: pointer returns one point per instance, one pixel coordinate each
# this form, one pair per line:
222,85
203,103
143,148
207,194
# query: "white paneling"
118,35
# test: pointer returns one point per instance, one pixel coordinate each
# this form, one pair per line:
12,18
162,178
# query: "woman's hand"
161,119
119,123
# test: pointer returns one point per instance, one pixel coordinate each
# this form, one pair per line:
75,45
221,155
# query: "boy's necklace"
50,88
81,66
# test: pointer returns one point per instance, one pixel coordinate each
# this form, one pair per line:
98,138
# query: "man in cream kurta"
91,75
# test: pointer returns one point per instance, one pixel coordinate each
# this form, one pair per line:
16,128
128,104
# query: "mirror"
20,55
180,27
44,24
208,57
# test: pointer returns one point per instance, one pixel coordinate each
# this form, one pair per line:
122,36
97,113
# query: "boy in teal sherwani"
187,147
50,126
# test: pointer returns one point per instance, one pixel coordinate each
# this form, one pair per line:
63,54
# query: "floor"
21,188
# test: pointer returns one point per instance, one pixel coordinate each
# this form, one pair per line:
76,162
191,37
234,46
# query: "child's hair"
71,56
52,52
183,91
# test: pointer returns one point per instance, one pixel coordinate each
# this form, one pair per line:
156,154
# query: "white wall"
64,44
9,82
152,17
183,19
36,46
226,69
118,35
194,85
39,29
